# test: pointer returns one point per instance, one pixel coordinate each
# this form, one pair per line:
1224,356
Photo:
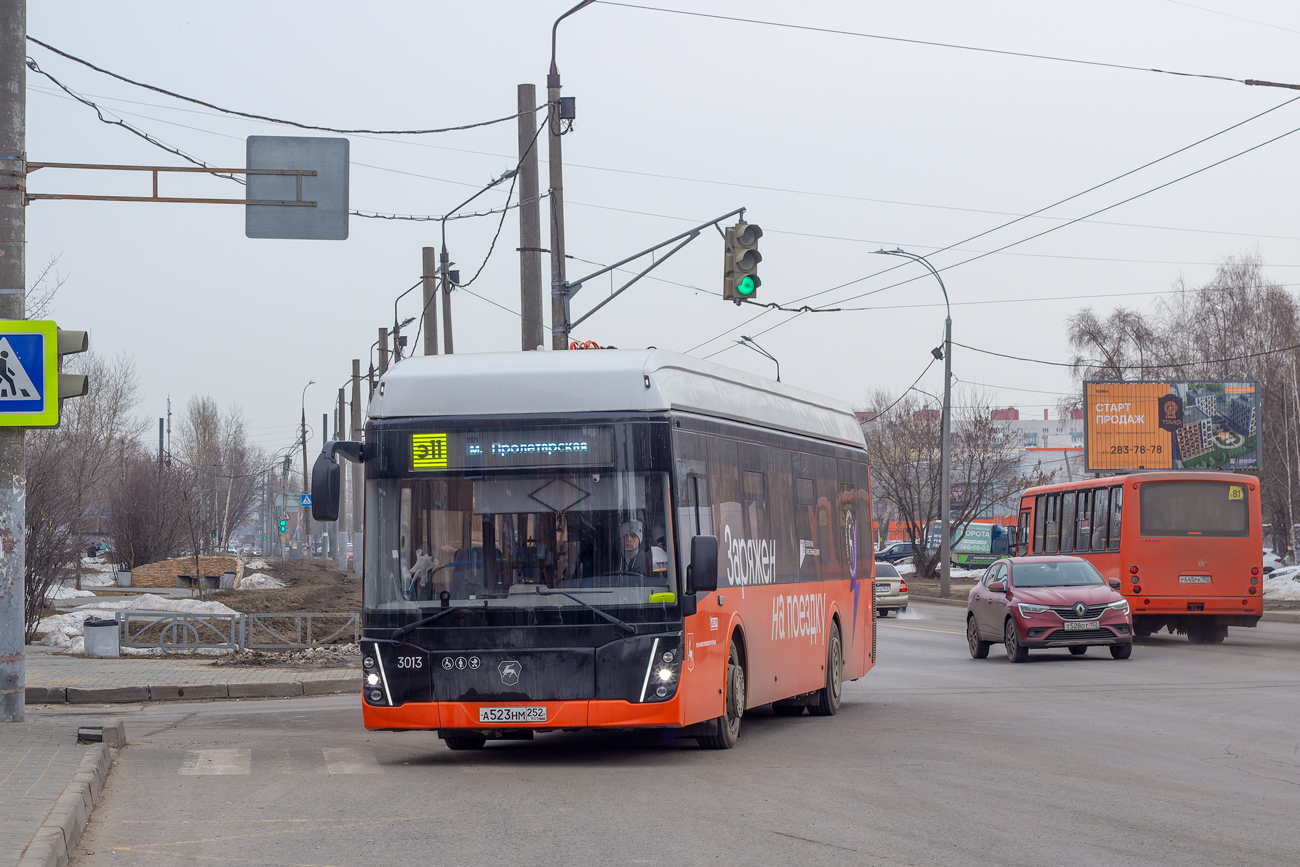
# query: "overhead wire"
1171,365
930,43
266,118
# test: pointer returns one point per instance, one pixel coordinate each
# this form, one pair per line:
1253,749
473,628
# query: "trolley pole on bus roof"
945,483
13,287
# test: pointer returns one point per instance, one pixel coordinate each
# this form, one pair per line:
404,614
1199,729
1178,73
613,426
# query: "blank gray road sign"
328,221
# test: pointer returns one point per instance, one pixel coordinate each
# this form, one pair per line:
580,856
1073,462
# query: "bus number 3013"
410,662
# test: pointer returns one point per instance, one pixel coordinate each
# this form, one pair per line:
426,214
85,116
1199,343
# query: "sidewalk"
49,782
56,678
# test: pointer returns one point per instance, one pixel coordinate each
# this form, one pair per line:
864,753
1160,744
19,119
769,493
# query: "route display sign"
1171,425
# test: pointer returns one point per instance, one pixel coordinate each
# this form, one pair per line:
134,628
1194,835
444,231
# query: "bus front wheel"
828,697
727,726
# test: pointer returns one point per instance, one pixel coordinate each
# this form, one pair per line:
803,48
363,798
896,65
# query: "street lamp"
945,353
749,342
306,480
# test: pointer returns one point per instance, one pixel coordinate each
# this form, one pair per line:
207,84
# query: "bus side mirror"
702,574
325,487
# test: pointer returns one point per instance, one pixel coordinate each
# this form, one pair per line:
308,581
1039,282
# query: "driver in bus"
633,557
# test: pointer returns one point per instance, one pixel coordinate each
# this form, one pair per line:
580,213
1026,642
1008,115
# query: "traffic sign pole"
13,289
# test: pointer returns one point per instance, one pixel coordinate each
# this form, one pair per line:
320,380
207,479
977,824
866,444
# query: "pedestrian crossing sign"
29,373
306,499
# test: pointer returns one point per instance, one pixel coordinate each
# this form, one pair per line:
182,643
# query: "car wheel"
828,697
1121,651
465,743
1079,650
1016,652
979,649
786,709
728,725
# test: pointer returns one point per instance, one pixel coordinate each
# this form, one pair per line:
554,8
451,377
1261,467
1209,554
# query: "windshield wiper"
423,621
622,624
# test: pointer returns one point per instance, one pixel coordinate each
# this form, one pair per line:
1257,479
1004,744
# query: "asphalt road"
1181,755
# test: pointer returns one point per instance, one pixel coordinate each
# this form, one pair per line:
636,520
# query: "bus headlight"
663,670
372,679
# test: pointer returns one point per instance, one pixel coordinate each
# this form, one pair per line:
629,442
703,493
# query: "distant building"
1008,414
1241,415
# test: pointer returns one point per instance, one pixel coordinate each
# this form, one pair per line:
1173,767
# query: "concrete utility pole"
443,264
530,224
355,469
306,480
383,351
340,525
429,272
559,302
13,292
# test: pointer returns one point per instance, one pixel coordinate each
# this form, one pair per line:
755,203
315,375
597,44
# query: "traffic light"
284,526
72,384
740,262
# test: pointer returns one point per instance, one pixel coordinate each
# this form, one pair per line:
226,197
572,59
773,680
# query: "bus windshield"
1194,509
605,538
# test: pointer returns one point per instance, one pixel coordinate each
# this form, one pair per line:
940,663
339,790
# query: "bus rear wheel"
1209,633
828,697
733,704
465,743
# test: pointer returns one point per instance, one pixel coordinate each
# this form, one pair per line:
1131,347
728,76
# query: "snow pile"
260,581
95,572
1282,589
65,630
257,565
66,591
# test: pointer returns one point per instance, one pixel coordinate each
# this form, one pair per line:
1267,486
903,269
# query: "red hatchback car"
1037,602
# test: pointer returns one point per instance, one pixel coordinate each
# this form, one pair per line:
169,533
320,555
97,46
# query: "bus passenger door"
1023,531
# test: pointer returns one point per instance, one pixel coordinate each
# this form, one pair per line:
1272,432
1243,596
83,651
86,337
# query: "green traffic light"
748,286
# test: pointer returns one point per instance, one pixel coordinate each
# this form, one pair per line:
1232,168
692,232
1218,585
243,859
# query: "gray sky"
835,144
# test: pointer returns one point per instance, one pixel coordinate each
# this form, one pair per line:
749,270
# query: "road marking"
922,629
351,760
202,763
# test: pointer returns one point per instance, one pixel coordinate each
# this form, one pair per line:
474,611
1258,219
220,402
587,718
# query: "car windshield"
1063,573
602,537
885,570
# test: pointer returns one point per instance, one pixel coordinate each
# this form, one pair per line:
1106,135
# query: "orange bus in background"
1185,545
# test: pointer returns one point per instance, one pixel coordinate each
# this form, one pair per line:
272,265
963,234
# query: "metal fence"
176,632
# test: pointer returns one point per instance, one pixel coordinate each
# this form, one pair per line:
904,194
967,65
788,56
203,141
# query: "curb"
1282,616
54,840
190,692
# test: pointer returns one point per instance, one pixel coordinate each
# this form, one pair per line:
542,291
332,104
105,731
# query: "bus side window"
1083,536
1100,505
1053,524
1116,509
1067,522
1040,524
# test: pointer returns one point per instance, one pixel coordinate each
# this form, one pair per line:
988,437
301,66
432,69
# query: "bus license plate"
1193,579
1078,625
511,714
882,588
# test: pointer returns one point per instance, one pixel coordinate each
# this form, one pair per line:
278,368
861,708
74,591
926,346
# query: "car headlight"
1120,606
1027,609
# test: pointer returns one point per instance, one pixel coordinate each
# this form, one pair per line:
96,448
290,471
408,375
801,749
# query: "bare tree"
904,443
40,294
215,446
50,535
149,520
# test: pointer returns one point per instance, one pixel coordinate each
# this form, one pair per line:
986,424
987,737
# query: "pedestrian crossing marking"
15,384
351,760
203,763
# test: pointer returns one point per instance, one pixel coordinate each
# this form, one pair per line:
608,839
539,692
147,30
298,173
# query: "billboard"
1171,425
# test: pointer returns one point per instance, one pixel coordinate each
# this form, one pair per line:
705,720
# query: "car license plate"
1193,579
1079,625
511,714
882,588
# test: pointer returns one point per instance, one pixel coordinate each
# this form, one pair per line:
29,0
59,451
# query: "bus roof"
1143,475
614,380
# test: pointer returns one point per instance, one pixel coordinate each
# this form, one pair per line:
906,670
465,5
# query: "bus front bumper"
492,717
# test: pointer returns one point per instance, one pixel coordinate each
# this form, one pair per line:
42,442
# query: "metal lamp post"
944,352
306,480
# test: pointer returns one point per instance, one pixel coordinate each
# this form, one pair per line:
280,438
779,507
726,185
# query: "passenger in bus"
633,557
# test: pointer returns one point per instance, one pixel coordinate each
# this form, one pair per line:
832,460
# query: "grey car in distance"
890,589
